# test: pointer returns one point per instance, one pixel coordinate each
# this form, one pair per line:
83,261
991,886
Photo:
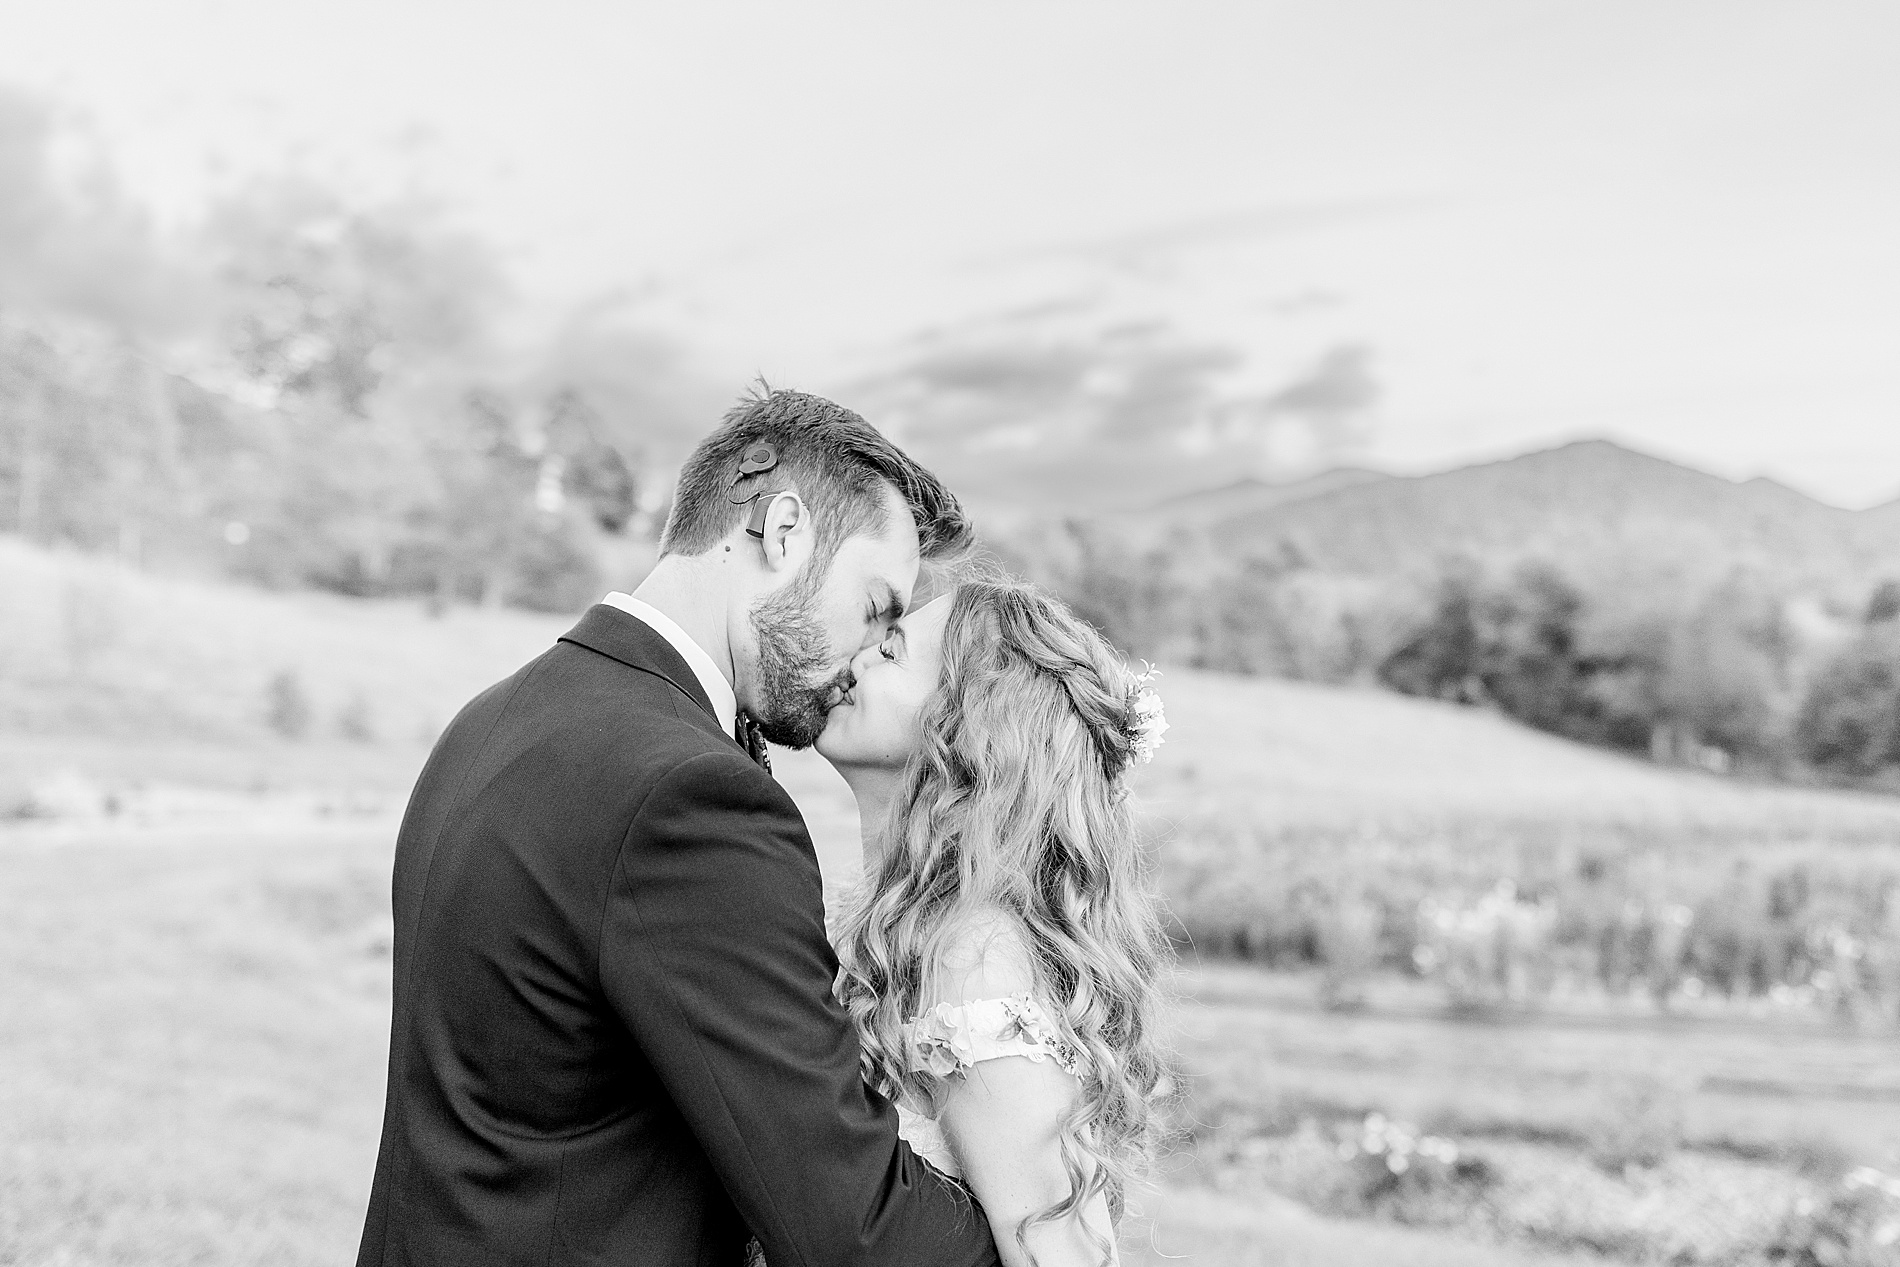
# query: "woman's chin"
830,744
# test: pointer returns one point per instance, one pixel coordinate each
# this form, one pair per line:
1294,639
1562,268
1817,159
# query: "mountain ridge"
1254,494
1594,504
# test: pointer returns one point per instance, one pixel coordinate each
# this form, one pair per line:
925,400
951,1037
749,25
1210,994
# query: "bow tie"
752,739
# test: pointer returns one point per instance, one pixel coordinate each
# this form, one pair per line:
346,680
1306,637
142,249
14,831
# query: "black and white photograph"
847,634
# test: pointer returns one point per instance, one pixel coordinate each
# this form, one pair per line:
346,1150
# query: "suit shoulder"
719,774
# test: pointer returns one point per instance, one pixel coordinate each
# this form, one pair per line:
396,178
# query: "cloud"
1339,386
1017,413
1026,376
1139,247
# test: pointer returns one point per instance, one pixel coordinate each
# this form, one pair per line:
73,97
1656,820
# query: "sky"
1118,249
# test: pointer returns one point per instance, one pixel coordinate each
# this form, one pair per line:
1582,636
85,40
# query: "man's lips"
841,693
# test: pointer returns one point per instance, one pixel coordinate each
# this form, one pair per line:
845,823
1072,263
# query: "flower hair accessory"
1147,721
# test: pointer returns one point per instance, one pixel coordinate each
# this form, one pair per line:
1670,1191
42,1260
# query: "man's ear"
789,537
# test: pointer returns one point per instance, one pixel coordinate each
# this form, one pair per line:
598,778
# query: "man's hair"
832,458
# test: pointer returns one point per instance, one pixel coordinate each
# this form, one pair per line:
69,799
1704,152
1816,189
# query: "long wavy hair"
1015,803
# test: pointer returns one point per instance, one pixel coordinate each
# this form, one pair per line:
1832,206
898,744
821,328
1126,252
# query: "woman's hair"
1014,804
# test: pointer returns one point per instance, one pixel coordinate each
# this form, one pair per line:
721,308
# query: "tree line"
1734,674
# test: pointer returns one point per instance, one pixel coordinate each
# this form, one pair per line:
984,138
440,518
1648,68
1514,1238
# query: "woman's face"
876,724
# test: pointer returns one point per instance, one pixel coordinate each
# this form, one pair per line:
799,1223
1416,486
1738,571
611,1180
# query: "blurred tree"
1884,605
322,302
322,309
1240,627
1520,646
1532,664
1728,683
1850,721
589,467
1133,596
302,392
1445,658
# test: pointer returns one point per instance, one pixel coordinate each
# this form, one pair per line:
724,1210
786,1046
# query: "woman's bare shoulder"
985,954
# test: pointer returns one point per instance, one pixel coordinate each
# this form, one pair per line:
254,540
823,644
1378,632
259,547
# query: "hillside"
1592,504
1295,755
127,676
90,647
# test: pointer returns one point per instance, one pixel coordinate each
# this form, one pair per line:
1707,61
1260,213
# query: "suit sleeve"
713,953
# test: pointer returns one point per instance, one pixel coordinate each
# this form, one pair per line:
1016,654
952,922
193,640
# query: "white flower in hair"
1147,720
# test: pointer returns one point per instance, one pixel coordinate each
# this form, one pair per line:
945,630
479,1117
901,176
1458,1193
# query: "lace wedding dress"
950,1040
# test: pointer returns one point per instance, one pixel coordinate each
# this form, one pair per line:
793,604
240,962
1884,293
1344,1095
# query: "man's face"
808,631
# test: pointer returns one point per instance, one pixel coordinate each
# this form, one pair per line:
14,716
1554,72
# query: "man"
614,1038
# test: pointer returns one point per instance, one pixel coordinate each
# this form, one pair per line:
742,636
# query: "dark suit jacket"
614,1039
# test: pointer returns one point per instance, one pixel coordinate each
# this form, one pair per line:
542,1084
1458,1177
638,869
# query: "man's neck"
693,595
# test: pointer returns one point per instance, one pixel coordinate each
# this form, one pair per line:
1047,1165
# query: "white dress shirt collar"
711,680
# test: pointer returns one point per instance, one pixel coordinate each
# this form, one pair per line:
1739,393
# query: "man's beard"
793,656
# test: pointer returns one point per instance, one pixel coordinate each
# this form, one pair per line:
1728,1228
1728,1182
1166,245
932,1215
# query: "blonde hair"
1014,803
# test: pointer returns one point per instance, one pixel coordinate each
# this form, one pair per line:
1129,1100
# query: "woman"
1002,959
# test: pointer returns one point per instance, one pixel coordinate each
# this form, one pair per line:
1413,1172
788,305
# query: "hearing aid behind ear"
757,460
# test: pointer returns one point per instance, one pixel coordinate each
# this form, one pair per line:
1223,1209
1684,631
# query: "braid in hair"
1097,684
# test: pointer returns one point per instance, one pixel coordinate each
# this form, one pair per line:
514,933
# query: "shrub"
356,722
286,708
1356,1168
1857,1226
553,571
1495,950
1347,933
1640,1125
1587,906
1408,1175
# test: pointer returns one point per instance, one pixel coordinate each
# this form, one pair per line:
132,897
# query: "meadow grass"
1261,1050
1205,1226
191,1053
191,1060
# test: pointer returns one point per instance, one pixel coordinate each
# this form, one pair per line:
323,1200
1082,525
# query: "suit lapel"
624,637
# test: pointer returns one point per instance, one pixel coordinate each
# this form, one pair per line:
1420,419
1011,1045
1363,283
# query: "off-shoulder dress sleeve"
951,1038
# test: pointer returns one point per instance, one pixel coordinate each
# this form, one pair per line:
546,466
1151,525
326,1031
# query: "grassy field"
194,942
191,1065
191,1060
190,1056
